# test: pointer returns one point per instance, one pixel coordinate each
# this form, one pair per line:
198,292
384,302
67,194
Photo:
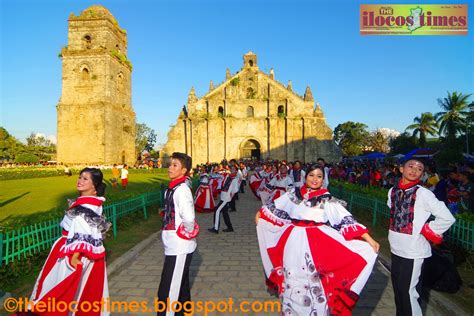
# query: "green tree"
40,146
379,142
27,157
35,140
402,144
454,117
9,145
423,125
145,138
351,137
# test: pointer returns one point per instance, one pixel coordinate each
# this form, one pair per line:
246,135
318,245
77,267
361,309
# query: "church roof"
269,77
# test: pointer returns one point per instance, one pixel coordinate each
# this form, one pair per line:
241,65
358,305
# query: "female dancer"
255,180
75,267
311,250
204,200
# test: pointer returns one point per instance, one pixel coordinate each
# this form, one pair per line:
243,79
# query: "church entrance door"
250,149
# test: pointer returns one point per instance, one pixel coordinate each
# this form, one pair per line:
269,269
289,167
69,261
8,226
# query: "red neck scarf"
408,184
175,182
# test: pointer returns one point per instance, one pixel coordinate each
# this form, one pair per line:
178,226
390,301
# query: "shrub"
26,157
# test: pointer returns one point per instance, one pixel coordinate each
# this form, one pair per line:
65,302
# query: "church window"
120,82
220,112
85,73
126,128
250,111
251,63
281,111
250,93
87,41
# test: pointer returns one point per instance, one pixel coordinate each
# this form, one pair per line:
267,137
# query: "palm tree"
425,124
454,118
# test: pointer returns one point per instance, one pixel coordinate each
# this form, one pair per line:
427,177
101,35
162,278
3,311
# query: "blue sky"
382,81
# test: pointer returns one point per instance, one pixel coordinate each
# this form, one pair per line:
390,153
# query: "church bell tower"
95,118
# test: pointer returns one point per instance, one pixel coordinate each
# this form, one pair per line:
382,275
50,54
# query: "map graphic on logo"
415,14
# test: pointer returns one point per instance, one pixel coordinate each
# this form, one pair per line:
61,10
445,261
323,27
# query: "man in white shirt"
230,187
411,205
178,234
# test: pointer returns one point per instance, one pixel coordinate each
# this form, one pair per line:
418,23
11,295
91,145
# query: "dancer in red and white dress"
266,174
217,178
204,200
255,181
312,252
277,186
298,175
75,268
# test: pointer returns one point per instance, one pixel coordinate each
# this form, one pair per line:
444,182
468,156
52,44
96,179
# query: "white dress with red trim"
204,200
277,186
311,253
216,180
255,181
267,177
83,229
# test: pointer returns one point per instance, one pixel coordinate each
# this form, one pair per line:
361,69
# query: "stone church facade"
251,115
95,118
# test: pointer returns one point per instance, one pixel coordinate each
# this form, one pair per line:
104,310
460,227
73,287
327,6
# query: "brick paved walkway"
228,265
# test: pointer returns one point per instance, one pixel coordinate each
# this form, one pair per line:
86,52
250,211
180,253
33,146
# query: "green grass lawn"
25,201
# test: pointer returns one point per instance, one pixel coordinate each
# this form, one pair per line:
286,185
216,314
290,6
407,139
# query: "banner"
413,19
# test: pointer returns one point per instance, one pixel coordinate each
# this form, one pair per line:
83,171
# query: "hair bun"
100,189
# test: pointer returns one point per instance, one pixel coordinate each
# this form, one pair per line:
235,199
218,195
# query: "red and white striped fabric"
93,203
254,182
204,200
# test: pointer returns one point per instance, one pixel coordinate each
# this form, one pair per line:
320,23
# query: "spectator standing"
124,176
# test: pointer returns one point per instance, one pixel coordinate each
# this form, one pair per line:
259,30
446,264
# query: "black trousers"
222,207
242,184
174,282
407,285
232,203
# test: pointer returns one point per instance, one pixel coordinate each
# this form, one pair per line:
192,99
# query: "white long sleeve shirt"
228,194
183,213
415,245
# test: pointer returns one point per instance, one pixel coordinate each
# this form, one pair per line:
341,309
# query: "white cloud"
51,138
388,132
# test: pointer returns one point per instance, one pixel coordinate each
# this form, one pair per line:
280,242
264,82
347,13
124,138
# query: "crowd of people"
315,255
300,225
454,186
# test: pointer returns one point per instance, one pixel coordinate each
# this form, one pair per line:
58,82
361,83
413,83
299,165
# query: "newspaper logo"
413,19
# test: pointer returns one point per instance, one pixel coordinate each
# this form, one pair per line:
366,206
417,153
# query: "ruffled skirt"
316,271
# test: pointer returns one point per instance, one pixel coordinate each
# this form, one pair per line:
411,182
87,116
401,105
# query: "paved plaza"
228,265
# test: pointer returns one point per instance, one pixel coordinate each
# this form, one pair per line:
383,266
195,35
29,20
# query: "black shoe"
212,230
233,211
228,230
